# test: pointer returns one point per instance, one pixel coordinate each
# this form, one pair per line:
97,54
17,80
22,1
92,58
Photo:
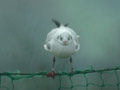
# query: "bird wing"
50,35
77,47
47,47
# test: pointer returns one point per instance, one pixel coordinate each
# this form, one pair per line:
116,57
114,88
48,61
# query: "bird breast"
62,51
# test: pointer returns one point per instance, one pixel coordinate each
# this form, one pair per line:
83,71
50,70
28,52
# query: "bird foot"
71,72
51,74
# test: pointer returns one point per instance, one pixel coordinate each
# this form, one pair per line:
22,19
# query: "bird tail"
58,24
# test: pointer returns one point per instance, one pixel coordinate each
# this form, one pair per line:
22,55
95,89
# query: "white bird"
62,42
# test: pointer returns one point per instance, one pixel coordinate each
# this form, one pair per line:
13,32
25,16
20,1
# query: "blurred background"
24,25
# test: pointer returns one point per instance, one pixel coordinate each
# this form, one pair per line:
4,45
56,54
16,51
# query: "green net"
74,82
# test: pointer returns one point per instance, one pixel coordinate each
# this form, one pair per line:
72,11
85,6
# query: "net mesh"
74,83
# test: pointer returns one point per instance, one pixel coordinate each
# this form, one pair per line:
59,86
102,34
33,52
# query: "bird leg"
53,69
52,74
71,65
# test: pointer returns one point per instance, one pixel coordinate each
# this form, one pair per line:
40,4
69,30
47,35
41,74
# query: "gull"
61,42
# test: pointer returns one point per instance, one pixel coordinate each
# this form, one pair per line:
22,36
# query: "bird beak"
65,42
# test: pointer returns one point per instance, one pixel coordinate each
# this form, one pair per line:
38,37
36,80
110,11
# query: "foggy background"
24,25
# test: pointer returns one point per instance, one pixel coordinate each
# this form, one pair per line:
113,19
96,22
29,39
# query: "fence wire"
18,76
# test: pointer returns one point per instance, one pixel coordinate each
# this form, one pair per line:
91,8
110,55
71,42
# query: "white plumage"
62,42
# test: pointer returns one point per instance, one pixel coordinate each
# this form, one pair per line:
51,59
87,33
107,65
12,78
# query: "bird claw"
51,74
71,72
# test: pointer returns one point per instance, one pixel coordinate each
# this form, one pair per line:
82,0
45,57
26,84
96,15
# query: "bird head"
64,35
64,38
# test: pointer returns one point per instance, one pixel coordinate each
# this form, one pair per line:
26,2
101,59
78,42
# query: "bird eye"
68,38
61,38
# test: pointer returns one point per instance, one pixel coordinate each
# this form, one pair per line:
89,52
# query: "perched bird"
62,42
